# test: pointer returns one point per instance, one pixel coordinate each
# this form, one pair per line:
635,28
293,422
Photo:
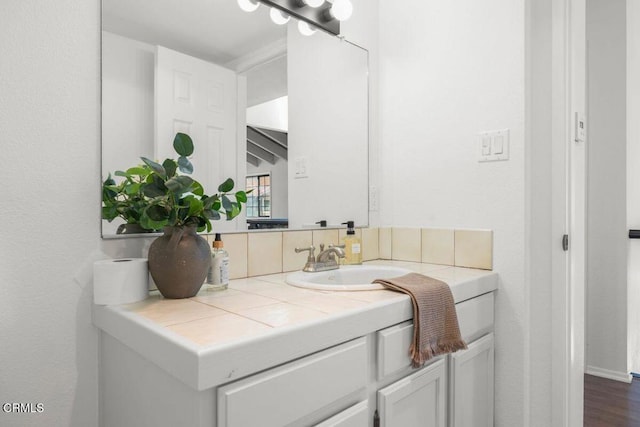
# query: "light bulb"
279,17
341,9
248,5
306,29
313,3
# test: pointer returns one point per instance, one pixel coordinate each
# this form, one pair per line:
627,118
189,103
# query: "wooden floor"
609,403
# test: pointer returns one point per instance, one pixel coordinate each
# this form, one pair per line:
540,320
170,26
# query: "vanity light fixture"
312,15
341,10
248,5
306,29
311,3
279,17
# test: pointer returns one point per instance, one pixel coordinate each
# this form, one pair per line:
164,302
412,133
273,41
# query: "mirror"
281,113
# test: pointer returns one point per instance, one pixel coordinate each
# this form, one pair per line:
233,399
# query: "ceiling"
214,30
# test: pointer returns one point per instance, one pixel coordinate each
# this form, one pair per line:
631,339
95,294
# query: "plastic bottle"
218,276
352,246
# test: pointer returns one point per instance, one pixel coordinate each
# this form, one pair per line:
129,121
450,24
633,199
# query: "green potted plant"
157,197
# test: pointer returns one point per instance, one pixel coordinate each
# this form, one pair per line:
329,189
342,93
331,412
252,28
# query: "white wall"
50,170
633,179
447,71
606,320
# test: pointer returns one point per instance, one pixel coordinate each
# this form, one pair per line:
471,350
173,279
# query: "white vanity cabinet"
351,369
460,384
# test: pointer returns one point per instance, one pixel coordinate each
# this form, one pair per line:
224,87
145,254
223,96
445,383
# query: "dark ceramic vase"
179,261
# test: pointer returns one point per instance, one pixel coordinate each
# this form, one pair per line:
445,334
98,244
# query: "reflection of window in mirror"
259,200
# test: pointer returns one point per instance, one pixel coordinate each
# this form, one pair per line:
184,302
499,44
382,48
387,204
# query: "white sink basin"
346,278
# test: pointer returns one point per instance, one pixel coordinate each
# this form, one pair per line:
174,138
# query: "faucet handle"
321,247
311,250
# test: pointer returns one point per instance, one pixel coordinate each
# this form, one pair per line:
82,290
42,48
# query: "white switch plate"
493,146
301,167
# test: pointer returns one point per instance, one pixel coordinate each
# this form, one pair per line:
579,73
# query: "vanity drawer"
283,395
475,317
354,416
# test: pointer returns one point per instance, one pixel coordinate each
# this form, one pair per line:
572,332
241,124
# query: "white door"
201,99
418,400
471,381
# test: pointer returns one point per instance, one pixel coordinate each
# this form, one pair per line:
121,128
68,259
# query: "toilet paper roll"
120,281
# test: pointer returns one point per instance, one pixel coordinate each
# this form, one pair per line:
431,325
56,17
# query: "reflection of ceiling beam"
278,135
253,160
260,153
267,142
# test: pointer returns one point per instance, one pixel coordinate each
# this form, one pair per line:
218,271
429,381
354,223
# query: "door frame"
568,212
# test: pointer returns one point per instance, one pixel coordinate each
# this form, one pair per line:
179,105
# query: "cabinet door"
355,416
417,400
471,385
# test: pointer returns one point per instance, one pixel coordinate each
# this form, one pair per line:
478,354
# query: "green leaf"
233,212
185,165
226,203
109,213
132,189
154,189
216,205
241,196
195,205
109,181
211,214
226,186
179,184
137,171
120,173
197,189
183,144
157,168
170,167
156,213
150,224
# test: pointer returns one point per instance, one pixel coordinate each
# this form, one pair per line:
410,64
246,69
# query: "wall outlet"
493,145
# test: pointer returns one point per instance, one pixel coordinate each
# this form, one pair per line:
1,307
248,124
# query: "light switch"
486,145
493,145
498,143
301,167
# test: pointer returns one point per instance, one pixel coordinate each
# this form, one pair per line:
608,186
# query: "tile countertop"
259,322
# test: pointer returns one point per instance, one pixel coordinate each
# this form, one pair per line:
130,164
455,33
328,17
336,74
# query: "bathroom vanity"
264,353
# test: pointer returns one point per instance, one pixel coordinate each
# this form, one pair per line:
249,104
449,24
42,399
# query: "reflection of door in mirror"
199,98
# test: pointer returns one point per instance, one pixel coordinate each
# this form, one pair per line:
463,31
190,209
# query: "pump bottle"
218,276
352,246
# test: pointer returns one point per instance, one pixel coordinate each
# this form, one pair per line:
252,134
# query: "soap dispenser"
218,277
352,246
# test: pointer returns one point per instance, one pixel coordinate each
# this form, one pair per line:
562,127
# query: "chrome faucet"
326,259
